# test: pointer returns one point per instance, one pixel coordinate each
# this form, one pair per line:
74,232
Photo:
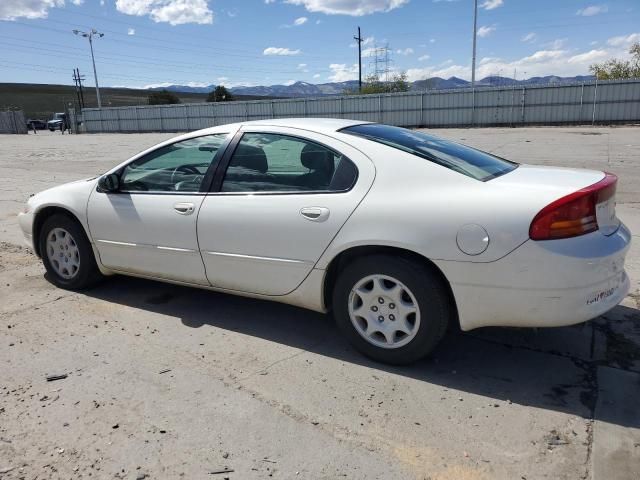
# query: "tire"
375,309
81,269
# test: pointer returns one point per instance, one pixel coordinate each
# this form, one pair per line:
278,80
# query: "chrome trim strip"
127,244
121,244
260,259
176,249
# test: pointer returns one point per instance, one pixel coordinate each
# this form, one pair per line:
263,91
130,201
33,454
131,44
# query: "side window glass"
269,162
179,167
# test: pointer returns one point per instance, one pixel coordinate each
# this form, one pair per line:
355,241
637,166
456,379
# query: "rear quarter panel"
420,206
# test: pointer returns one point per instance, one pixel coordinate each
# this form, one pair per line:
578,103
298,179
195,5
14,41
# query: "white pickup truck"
58,118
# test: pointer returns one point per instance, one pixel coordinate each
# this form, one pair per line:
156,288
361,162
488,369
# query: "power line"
139,60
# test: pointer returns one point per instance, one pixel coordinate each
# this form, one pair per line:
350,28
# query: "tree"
162,97
220,94
373,85
616,68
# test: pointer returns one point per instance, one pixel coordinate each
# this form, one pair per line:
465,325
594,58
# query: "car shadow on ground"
546,368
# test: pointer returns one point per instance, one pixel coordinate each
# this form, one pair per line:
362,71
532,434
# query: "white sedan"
398,232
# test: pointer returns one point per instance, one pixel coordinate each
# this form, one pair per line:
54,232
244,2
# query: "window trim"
216,185
206,181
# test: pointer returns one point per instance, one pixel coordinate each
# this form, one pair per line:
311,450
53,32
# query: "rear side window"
270,162
466,160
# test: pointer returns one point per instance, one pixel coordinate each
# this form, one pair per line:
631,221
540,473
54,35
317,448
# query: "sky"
267,42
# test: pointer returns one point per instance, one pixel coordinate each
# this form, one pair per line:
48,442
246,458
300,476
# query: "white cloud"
589,57
269,1
14,9
300,21
365,41
557,44
355,8
317,75
405,51
280,51
592,10
303,67
174,12
491,4
289,82
102,3
77,2
485,31
341,72
529,37
424,58
624,41
131,31
222,79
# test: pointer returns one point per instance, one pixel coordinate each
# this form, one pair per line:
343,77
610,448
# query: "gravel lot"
271,391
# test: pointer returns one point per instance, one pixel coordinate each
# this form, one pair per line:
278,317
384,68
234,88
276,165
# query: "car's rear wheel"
391,309
67,254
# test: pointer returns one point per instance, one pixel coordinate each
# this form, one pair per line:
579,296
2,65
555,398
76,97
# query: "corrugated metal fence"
589,103
12,122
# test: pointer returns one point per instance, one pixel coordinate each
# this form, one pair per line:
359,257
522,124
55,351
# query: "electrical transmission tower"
380,65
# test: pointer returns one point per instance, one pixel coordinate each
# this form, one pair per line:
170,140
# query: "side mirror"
109,183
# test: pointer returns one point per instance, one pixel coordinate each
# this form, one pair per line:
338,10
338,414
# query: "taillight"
574,214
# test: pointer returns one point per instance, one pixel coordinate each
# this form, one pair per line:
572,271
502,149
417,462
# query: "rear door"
280,196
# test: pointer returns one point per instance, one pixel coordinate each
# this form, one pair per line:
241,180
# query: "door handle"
184,208
315,214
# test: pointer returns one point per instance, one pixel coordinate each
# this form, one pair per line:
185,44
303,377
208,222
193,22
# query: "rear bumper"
543,284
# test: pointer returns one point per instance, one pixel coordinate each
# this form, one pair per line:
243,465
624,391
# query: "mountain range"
304,89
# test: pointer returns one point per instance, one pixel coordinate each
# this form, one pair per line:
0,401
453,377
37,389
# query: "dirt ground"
169,382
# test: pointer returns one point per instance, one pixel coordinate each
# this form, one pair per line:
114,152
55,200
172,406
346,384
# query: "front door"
149,226
284,196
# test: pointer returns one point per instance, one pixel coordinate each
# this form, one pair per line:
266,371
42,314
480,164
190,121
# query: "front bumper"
25,220
543,284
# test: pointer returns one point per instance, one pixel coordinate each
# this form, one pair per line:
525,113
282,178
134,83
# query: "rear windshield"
462,159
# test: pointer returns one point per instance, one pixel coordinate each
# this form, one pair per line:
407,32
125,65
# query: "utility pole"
80,79
475,34
77,79
93,32
359,40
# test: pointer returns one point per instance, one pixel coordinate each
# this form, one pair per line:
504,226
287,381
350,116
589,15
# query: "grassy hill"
42,100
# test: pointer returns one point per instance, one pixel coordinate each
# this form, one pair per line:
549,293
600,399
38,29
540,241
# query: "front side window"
179,167
269,162
460,158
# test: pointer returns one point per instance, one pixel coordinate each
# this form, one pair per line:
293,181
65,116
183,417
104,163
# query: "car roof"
322,125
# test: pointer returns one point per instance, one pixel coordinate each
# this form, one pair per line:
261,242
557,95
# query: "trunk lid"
544,185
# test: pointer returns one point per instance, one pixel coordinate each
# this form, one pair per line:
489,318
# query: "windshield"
466,160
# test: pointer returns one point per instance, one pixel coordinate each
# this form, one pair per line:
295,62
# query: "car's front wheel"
67,254
391,309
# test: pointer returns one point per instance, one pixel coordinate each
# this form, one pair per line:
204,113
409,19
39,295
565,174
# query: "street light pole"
90,35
